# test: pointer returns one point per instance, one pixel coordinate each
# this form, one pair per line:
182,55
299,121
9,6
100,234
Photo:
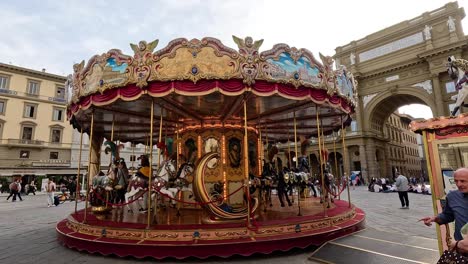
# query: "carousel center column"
95,162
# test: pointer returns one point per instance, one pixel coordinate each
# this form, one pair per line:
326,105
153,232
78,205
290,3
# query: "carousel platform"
194,233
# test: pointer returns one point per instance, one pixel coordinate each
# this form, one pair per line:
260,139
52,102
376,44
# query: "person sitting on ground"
384,184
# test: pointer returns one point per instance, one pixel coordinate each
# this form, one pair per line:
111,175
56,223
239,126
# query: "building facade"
35,137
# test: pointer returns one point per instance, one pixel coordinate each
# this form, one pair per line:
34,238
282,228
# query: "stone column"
439,102
388,163
371,160
359,115
363,159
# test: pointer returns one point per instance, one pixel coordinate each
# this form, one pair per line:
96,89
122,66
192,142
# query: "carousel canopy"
199,84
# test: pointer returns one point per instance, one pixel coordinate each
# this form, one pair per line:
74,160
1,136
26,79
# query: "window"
30,110
53,155
353,126
450,87
1,128
58,114
60,93
24,154
56,135
27,133
33,88
2,107
4,82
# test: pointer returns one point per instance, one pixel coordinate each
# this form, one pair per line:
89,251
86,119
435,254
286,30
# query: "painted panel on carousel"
346,82
286,68
194,60
105,74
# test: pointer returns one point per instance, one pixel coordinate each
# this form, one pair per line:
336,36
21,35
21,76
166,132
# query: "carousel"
211,182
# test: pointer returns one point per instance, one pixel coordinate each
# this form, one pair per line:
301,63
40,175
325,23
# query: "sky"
53,34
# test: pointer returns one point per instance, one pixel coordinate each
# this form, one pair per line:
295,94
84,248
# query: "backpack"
13,186
56,200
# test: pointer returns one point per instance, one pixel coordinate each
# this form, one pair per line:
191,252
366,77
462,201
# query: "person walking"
456,208
402,188
50,189
353,180
32,188
18,182
13,191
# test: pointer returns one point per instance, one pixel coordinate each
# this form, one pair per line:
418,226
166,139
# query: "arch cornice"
372,106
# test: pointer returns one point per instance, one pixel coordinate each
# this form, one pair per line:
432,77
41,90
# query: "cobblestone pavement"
28,230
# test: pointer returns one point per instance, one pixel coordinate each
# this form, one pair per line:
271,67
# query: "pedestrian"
50,189
402,188
353,179
456,208
32,188
72,188
13,191
18,182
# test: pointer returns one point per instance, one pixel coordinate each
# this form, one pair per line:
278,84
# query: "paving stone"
28,230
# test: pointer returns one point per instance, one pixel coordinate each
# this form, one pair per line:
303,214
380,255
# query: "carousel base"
276,228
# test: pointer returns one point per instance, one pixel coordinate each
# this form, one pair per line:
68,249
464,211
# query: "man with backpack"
15,188
13,191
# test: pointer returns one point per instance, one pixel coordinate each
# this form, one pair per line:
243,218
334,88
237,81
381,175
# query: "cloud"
54,34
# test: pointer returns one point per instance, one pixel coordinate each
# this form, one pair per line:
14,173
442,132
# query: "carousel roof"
202,84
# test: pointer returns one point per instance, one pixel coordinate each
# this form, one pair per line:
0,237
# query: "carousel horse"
325,195
457,70
137,185
102,187
268,180
164,178
181,182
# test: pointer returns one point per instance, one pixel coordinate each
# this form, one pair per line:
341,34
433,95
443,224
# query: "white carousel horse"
165,173
136,187
457,70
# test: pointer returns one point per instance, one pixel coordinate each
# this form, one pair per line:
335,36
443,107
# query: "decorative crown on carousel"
208,59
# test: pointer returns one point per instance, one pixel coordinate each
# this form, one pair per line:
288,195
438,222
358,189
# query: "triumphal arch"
399,65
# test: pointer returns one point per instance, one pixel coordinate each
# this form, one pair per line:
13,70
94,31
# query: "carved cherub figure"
328,75
247,46
142,49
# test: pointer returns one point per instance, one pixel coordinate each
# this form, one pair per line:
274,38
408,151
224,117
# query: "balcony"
8,91
51,163
57,99
23,143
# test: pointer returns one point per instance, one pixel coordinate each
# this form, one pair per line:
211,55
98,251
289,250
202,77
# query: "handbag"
451,256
